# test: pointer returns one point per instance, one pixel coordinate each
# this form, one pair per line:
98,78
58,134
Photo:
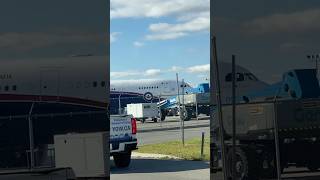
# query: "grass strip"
190,151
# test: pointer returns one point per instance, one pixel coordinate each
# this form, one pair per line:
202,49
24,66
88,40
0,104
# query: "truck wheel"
163,115
268,165
155,120
186,113
245,164
122,160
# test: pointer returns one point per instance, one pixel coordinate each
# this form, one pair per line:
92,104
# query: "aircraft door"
49,82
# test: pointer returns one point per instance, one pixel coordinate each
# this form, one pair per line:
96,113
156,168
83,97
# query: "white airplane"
63,95
123,92
155,88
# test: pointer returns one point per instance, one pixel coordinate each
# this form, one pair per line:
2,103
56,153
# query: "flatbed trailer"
298,129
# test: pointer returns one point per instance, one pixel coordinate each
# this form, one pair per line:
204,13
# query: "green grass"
190,151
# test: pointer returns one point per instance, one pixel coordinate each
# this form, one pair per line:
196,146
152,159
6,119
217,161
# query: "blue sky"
154,39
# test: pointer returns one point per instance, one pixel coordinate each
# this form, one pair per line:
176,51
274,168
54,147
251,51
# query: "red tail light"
134,125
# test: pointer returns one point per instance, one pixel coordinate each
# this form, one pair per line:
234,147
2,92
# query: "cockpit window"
250,76
239,76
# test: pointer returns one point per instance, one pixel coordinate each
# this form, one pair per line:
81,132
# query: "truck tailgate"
120,129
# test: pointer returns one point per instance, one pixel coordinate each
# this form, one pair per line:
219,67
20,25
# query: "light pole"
31,138
119,101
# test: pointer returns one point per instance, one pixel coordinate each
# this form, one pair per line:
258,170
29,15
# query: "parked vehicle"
144,111
123,141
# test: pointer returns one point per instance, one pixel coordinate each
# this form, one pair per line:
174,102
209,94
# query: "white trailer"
143,111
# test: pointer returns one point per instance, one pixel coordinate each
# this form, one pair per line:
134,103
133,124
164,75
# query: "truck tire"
268,165
122,160
163,115
246,164
187,113
155,120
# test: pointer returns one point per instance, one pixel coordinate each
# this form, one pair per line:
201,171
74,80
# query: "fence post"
202,145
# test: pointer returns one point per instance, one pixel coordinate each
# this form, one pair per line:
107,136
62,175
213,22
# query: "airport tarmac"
172,123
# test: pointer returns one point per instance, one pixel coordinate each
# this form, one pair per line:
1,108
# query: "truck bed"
197,98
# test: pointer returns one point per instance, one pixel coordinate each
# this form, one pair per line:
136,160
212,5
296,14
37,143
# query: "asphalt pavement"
172,123
147,169
170,135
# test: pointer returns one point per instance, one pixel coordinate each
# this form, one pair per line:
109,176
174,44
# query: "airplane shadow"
153,165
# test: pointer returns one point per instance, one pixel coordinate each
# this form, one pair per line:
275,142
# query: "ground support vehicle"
195,104
143,111
298,128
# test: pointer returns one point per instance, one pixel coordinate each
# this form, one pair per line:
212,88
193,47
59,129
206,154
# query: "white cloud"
152,72
138,44
165,31
130,73
296,22
176,69
197,24
114,36
165,36
199,68
191,15
156,8
123,74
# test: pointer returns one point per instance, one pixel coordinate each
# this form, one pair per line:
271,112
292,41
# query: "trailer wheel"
155,120
143,120
245,164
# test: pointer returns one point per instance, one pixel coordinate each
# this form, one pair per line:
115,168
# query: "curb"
153,156
172,128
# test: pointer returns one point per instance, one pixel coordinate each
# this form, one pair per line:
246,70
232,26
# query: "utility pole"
119,102
234,116
185,111
160,113
216,84
31,138
180,109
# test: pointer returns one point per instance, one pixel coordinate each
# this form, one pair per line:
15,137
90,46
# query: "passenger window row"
94,84
241,77
8,88
102,84
151,87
